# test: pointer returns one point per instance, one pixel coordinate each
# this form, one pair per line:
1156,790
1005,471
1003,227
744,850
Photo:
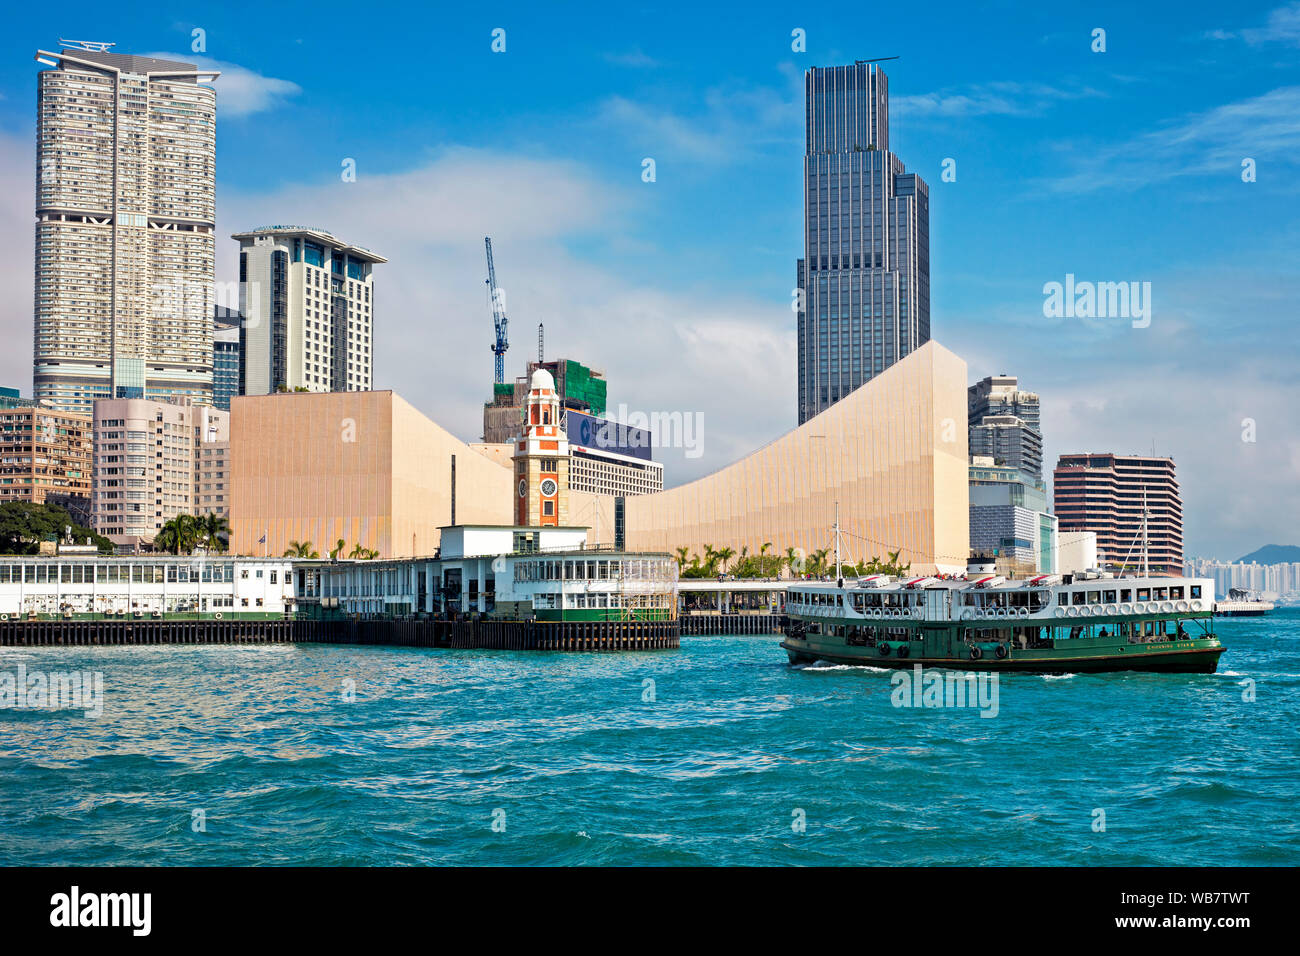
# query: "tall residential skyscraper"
308,304
1106,493
1005,424
125,213
865,274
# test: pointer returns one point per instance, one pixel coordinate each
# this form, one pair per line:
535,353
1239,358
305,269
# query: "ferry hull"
1168,660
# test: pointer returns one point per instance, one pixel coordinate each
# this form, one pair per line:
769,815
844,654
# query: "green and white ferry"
1087,622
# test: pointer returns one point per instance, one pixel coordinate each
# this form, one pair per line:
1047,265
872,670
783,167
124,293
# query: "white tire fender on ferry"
967,614
1058,612
1196,605
1167,607
1110,609
1072,611
1126,608
1023,612
1182,605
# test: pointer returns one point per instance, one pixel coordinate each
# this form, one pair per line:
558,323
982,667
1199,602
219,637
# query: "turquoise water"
584,762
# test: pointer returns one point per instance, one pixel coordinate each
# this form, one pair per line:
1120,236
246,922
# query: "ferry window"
1175,594
1144,594
1110,597
1077,598
1196,590
1162,594
1126,594
1094,597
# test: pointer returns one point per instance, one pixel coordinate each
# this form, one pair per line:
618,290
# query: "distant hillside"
1273,554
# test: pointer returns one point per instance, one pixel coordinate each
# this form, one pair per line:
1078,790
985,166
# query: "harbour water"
718,753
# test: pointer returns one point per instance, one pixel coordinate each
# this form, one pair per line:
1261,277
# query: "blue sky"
1116,165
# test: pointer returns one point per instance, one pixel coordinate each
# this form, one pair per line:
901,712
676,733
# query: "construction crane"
499,321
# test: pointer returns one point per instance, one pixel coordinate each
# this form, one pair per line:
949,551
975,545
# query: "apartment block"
125,213
45,456
146,456
1109,494
308,303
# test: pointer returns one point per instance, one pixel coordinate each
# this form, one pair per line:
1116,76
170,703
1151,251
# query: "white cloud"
997,98
732,123
1215,141
662,350
240,91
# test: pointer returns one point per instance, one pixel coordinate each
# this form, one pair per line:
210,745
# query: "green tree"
179,535
23,525
335,551
216,531
300,549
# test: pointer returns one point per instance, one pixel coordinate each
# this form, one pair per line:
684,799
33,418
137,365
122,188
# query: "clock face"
523,488
549,487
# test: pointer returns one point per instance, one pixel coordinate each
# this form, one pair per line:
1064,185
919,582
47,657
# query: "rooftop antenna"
876,59
91,46
541,341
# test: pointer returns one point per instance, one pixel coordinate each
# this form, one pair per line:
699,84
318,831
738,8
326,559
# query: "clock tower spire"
541,458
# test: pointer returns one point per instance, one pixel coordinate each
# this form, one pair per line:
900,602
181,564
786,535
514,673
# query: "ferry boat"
1086,622
1242,603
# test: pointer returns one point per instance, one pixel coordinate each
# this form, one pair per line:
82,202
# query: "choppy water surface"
713,754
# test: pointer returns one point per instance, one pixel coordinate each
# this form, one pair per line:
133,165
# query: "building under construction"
581,389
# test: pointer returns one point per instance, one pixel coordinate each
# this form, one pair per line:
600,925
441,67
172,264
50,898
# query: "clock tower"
542,458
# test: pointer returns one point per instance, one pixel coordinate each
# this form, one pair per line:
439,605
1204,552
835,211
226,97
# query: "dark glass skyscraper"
865,273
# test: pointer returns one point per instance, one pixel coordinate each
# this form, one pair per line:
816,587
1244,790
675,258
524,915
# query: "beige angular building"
365,467
368,468
891,454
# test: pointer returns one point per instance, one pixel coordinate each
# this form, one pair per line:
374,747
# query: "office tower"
1005,424
145,462
1009,520
227,356
125,210
1106,494
44,455
865,275
308,304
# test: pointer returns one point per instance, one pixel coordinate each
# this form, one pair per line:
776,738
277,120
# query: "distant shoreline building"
308,304
1105,493
125,219
865,274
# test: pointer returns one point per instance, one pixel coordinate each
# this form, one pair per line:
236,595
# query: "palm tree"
337,549
681,557
724,555
791,559
363,554
215,530
300,549
179,535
